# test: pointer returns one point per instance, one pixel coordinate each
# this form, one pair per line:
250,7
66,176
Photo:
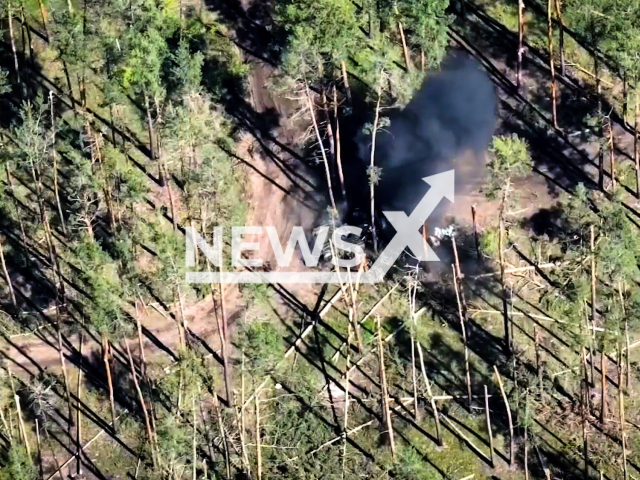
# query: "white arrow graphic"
407,234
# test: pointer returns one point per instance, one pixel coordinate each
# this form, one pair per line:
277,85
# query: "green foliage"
4,82
578,208
262,345
99,276
619,249
300,429
321,34
426,23
118,170
174,444
257,295
33,139
510,159
374,173
505,13
618,246
68,36
185,377
612,26
411,466
167,272
489,242
186,70
16,464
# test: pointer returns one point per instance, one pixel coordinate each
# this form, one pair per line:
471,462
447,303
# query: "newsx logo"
283,256
407,235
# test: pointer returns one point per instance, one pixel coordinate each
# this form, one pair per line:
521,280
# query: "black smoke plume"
447,125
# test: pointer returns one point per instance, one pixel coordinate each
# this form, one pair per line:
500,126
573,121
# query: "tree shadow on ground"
564,158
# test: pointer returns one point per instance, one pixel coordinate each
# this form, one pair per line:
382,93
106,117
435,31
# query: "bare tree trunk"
241,423
164,174
407,58
584,397
194,461
13,42
39,444
63,364
223,334
21,428
600,132
416,411
7,428
627,352
489,432
147,423
7,279
372,174
223,435
623,436
501,241
338,146
330,130
26,29
520,44
345,425
43,13
143,359
385,392
552,67
55,165
506,404
320,144
583,358
434,407
636,139
105,359
475,232
258,445
612,166
625,99
152,137
183,317
180,323
79,399
526,438
345,81
536,346
603,386
225,342
463,328
561,46
594,274
458,272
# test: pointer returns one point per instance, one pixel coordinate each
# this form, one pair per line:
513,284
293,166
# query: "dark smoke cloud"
447,125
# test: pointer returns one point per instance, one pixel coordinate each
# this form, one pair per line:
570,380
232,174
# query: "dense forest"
125,122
